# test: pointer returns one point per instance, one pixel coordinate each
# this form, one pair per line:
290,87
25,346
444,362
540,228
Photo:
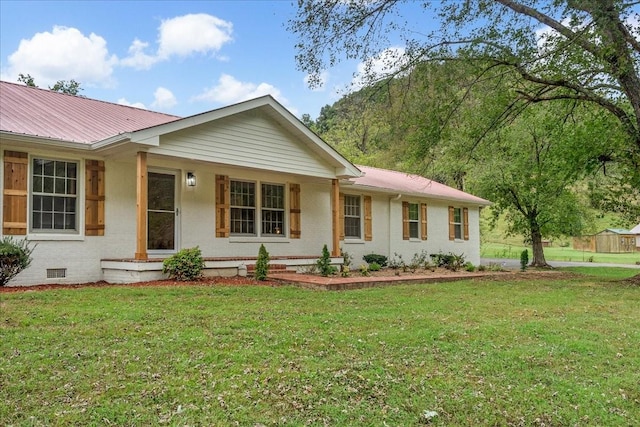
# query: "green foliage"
449,261
324,263
378,259
347,258
185,265
262,264
524,259
397,262
365,270
468,266
15,256
27,80
374,266
419,260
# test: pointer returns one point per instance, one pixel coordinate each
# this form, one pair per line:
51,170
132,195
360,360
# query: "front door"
161,215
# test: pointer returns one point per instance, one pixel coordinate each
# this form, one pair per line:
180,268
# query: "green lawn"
533,352
502,250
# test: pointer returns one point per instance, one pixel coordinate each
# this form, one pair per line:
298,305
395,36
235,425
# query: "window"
244,208
352,217
414,221
272,209
54,201
457,223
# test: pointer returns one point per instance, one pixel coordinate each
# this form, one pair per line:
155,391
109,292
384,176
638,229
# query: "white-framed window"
54,196
414,220
458,225
247,206
352,217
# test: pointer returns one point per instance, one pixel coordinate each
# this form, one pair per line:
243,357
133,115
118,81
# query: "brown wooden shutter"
452,227
94,198
341,221
465,222
423,221
294,211
16,168
223,201
368,226
405,221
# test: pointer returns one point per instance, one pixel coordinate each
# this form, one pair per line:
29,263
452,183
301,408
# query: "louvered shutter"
368,225
223,201
341,217
423,221
94,198
452,226
14,217
294,211
465,222
405,221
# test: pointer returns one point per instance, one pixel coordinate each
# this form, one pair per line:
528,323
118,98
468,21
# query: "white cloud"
137,58
123,101
63,54
229,90
182,36
193,33
317,83
387,62
164,99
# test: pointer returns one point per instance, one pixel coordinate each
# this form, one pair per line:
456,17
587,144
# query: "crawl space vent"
56,273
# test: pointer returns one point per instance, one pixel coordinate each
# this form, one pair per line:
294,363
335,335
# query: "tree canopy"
587,51
70,87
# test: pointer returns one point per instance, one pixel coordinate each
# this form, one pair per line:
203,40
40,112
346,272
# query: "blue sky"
177,57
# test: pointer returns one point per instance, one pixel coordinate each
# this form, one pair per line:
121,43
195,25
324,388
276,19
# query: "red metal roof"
404,183
31,111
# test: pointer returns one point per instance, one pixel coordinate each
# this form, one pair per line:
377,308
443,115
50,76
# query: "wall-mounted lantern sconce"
191,179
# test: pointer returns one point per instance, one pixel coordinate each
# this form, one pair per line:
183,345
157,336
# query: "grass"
528,352
502,250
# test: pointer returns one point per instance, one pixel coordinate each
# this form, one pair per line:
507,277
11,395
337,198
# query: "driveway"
515,263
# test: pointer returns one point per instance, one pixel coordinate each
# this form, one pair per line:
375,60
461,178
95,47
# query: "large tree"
587,51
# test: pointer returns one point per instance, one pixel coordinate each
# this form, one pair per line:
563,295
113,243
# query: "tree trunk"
536,244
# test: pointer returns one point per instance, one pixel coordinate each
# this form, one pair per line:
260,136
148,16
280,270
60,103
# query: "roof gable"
409,184
47,114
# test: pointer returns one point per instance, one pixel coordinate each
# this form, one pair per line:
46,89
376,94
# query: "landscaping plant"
524,259
324,263
262,264
377,258
15,256
185,265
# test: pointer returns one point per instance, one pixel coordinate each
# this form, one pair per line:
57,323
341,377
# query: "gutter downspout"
391,200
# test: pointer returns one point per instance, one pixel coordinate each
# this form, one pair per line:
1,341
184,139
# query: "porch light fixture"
191,179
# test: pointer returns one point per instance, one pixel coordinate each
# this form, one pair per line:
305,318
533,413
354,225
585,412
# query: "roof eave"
395,192
50,142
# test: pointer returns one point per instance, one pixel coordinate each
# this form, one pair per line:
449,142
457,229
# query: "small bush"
15,256
262,264
374,266
364,269
524,259
345,269
449,261
324,263
397,262
482,268
378,259
468,266
185,265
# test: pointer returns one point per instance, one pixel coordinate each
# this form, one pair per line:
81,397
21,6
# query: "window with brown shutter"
368,226
94,198
423,221
294,211
14,215
222,206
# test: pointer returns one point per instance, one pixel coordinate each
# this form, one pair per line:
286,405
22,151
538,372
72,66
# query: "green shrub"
524,259
468,266
449,261
364,269
482,268
381,260
262,264
374,266
324,263
15,256
185,265
397,262
345,269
